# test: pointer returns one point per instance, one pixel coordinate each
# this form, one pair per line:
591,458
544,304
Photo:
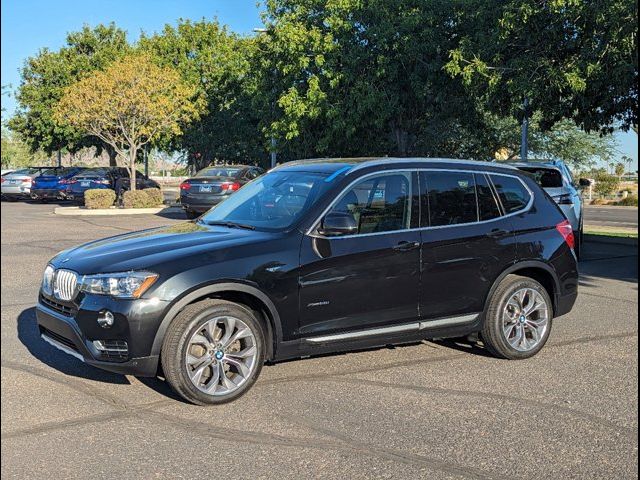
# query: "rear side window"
487,205
513,194
452,198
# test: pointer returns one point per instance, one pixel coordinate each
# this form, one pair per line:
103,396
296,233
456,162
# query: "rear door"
467,244
371,278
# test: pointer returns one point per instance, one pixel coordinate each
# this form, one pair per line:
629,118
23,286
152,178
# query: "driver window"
379,204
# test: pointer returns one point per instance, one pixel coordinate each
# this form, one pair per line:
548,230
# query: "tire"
188,326
503,305
191,215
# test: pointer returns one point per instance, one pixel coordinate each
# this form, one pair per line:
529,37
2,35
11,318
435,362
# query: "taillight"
230,187
69,181
566,230
104,181
2,180
185,186
27,180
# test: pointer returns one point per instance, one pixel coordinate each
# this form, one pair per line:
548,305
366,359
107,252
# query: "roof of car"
534,164
331,165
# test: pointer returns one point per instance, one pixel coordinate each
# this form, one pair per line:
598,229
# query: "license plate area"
205,188
85,184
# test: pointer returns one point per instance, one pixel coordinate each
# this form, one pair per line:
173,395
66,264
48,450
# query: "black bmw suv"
317,257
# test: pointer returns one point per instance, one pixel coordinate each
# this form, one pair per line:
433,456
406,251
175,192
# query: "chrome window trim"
312,231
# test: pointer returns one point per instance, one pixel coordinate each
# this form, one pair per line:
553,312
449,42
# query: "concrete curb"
621,207
110,211
628,241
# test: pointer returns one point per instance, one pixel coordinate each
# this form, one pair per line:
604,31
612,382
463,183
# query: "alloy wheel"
525,319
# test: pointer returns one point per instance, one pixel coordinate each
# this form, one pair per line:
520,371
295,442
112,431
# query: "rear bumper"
565,303
200,205
47,193
64,333
16,191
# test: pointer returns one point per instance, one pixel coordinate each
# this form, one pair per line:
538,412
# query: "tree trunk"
402,141
132,168
113,156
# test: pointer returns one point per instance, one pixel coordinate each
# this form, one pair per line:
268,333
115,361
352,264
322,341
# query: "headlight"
121,285
47,280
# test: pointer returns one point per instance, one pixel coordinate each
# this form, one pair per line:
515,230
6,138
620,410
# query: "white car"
17,184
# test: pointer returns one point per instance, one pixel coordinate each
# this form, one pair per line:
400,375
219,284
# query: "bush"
630,201
99,198
599,201
606,184
155,195
137,199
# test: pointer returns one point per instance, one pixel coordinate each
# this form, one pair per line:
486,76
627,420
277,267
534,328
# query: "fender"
522,265
208,290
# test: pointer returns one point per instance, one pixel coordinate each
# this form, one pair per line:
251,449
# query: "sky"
28,25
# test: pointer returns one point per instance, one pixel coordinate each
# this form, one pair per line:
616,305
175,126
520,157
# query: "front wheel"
518,320
213,352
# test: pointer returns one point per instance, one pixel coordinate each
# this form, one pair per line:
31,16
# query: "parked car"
555,178
115,178
317,257
213,184
51,184
16,184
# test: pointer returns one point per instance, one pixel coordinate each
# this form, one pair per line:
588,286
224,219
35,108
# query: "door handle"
497,233
405,246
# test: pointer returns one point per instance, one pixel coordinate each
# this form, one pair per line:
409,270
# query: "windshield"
545,177
272,202
218,172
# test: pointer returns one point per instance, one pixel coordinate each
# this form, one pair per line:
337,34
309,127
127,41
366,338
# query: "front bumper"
75,329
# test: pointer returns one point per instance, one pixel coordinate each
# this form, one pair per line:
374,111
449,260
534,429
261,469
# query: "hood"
150,249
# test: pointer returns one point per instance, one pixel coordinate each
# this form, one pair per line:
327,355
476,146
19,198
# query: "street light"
273,138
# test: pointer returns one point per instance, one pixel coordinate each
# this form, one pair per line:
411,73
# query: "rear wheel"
518,320
213,352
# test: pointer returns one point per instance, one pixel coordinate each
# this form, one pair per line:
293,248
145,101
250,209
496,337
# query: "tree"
46,75
362,78
129,104
573,59
15,152
619,170
219,64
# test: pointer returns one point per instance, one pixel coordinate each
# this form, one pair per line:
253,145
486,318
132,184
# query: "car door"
369,278
468,243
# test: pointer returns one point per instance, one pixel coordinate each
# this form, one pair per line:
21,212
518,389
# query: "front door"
369,278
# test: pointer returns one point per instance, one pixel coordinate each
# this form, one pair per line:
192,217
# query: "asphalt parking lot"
430,410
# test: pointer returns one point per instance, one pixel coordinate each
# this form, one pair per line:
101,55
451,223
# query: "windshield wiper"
230,225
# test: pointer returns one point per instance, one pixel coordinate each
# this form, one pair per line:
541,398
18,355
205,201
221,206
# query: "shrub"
155,196
99,198
599,201
630,201
137,199
606,184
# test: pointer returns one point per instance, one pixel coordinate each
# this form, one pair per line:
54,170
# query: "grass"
609,233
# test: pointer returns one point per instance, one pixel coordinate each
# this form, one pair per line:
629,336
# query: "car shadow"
172,213
603,258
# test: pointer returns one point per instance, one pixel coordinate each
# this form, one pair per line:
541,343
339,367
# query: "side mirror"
584,182
336,224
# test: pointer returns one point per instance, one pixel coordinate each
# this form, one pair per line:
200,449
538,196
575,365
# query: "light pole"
274,155
524,145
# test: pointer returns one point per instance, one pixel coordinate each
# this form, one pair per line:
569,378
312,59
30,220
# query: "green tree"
130,104
362,78
619,170
219,64
44,78
574,59
16,153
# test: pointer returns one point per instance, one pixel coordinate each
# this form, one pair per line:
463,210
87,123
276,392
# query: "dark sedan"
115,178
211,185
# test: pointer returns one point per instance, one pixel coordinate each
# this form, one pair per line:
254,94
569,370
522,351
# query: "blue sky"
28,25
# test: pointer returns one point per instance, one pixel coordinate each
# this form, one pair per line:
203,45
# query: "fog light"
106,319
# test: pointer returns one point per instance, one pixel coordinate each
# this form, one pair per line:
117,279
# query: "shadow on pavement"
601,259
172,214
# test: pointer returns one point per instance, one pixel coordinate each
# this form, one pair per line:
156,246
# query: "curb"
110,211
621,207
628,241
